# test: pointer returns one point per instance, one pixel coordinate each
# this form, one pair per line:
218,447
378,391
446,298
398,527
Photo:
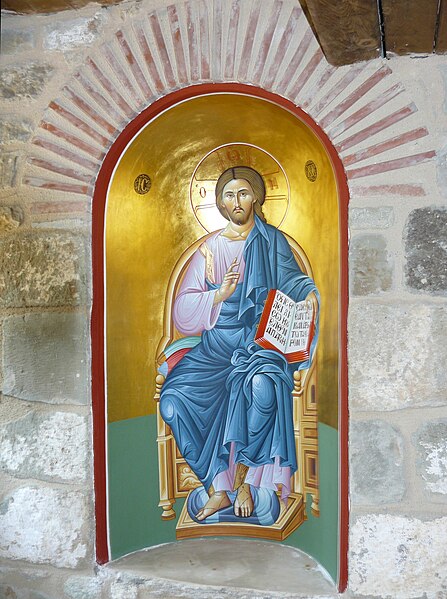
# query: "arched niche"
138,239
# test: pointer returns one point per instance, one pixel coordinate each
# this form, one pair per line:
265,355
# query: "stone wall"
52,145
397,377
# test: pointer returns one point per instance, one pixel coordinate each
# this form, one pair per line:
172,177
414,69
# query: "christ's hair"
247,174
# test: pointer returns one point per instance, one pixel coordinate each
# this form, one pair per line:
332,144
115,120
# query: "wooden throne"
177,480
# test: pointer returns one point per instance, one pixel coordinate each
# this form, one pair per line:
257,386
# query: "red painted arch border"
97,319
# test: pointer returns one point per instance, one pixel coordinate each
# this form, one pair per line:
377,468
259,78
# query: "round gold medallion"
142,184
310,168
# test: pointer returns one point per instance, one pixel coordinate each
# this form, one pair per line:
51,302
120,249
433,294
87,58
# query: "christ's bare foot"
243,504
216,502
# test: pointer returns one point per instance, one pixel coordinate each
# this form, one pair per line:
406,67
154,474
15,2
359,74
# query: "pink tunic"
193,309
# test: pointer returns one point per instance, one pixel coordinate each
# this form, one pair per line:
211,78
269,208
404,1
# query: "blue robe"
229,389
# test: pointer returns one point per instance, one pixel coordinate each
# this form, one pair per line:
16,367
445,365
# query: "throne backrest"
170,333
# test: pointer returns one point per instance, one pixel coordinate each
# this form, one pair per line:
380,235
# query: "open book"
286,326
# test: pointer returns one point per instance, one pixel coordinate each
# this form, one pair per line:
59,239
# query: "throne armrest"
159,380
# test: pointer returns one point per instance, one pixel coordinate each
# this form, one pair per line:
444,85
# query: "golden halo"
212,165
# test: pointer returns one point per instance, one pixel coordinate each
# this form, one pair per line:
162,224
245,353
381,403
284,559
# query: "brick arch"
269,45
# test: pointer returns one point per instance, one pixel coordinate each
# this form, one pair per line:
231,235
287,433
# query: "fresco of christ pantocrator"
228,401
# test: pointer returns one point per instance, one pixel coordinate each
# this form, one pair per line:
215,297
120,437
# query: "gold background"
146,234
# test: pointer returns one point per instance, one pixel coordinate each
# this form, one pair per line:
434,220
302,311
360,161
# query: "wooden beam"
409,25
347,30
441,32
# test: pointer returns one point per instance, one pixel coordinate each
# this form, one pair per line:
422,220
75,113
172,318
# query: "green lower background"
134,515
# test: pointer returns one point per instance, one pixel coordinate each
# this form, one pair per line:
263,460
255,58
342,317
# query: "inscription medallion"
142,184
310,168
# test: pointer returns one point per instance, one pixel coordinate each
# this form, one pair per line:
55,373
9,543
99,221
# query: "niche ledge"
220,568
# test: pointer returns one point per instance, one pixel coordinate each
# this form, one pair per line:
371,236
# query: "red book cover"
286,326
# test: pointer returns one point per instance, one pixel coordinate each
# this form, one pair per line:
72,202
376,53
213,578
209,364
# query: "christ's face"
237,199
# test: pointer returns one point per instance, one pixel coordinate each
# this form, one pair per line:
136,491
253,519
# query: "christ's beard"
240,217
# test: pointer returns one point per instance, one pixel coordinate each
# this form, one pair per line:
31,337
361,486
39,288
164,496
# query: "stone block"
42,269
10,592
397,356
68,35
25,575
443,70
376,463
398,557
83,587
45,526
17,40
371,218
8,169
370,266
426,250
431,445
11,217
25,81
67,224
123,590
39,595
441,170
7,592
45,358
14,131
29,582
45,446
